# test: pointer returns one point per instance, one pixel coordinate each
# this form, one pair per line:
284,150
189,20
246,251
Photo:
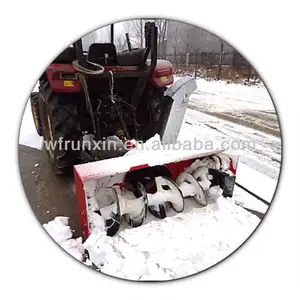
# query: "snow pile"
59,230
175,247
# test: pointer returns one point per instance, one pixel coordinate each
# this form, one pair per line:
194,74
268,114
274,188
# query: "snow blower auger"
121,191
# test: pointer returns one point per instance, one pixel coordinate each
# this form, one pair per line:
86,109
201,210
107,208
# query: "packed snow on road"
200,237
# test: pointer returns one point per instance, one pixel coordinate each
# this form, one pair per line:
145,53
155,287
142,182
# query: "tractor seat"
104,54
130,58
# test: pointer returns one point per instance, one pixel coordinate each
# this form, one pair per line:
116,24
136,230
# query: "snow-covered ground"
236,112
198,238
261,151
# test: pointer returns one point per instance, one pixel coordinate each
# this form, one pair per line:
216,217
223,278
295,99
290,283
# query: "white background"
33,32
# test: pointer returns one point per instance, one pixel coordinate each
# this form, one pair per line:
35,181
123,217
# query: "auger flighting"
193,182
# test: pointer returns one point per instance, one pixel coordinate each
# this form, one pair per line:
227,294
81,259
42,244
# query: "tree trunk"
142,36
175,57
220,61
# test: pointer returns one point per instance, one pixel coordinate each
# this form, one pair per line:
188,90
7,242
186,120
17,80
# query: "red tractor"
102,93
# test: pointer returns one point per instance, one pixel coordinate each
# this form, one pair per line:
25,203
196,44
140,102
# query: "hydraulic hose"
81,69
82,72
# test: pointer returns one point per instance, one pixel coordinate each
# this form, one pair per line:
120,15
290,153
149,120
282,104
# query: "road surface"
49,196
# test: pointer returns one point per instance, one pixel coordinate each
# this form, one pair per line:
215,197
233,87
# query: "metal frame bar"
79,52
112,33
151,45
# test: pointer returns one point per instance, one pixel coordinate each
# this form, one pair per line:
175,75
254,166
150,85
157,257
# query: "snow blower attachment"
123,190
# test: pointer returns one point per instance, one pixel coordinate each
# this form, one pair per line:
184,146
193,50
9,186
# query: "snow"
259,164
263,186
258,150
136,157
223,96
175,247
245,200
226,111
61,232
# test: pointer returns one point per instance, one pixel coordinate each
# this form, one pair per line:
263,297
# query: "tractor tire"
35,110
60,123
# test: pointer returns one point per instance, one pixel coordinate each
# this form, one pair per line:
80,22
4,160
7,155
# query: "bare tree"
162,25
89,39
175,45
135,28
220,59
104,33
190,36
142,32
120,43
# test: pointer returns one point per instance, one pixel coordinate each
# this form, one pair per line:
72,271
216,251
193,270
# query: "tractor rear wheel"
61,129
35,110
